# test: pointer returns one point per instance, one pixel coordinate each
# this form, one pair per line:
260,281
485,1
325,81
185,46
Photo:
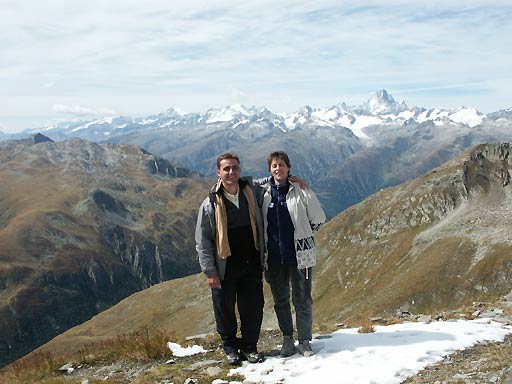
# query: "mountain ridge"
83,225
381,106
335,148
425,244
419,248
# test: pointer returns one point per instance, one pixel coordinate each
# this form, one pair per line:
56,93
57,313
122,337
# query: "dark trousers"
243,286
279,277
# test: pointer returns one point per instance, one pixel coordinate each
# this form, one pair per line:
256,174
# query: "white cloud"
238,96
193,54
79,111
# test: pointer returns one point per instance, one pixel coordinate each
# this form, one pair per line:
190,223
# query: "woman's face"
279,170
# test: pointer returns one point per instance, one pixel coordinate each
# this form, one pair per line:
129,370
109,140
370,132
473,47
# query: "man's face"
229,172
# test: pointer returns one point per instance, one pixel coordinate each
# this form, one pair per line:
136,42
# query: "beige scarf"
221,220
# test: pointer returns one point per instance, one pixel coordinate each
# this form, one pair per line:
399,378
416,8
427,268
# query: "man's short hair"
227,155
278,155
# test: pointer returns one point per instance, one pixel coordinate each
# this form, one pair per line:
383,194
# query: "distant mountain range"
380,109
345,152
433,245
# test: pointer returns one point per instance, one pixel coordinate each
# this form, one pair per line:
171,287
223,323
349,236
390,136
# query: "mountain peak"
467,115
173,112
382,102
306,110
383,94
40,138
228,113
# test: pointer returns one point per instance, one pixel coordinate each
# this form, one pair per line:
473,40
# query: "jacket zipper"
279,227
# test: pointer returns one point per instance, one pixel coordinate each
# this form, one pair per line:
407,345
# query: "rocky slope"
401,152
436,242
82,226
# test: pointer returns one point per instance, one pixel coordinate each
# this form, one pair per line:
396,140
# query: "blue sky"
87,59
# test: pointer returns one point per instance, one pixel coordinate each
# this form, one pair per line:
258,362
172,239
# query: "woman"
291,215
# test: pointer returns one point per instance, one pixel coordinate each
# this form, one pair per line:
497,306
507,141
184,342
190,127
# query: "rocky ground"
484,363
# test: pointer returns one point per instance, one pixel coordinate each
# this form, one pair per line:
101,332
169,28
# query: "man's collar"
242,183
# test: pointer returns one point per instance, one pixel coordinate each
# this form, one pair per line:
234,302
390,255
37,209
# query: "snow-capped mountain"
380,109
231,113
501,114
352,151
383,103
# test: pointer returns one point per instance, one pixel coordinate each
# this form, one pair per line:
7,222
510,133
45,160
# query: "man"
230,246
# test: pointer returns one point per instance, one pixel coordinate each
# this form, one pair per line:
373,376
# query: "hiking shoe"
252,357
232,358
304,348
288,347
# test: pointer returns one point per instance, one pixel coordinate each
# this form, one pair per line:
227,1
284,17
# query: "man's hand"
213,281
298,180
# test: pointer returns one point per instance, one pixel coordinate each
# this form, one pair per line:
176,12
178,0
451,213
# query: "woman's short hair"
278,155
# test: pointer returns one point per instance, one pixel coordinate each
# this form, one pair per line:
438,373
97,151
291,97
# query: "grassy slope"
426,246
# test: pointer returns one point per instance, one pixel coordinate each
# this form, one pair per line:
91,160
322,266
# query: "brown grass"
367,327
147,351
140,346
363,322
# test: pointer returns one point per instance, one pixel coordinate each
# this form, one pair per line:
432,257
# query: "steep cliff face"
436,242
83,226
